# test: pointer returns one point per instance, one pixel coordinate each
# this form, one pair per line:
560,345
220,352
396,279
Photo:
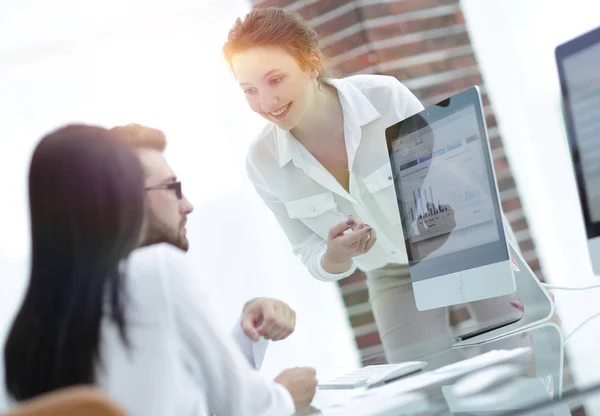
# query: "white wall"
514,41
159,63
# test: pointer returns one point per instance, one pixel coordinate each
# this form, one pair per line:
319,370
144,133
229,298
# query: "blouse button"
312,209
390,178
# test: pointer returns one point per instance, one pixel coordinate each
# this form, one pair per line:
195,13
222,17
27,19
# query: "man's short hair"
138,136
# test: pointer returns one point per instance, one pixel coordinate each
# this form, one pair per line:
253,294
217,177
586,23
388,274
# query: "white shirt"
180,362
307,200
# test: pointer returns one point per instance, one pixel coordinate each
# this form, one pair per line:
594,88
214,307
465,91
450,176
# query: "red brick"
519,225
368,340
535,265
506,183
337,24
431,68
392,30
437,22
511,205
501,164
362,319
490,120
368,58
495,143
355,277
356,65
318,8
261,4
416,48
497,154
527,245
356,298
344,45
399,7
485,99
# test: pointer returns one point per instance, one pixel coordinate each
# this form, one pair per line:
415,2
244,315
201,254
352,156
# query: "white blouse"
307,200
180,362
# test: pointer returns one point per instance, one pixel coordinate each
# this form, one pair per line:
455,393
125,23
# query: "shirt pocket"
380,184
318,212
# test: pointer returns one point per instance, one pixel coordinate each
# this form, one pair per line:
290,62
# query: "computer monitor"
578,68
449,206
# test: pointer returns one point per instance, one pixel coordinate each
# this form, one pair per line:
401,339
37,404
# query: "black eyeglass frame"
175,186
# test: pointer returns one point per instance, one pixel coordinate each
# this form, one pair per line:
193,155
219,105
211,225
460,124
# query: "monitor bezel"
427,268
562,52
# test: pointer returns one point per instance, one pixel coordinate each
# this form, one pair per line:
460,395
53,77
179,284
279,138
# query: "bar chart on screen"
445,199
446,202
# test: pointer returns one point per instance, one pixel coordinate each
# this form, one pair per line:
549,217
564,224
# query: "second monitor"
578,61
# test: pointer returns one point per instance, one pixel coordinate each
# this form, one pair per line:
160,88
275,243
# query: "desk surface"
541,382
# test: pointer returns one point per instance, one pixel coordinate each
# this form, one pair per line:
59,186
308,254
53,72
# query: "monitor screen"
445,187
579,63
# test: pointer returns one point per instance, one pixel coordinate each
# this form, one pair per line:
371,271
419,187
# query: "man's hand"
301,383
270,318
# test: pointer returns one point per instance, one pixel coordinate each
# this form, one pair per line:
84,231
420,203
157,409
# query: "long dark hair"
86,201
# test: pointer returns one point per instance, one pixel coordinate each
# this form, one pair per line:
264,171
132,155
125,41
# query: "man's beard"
158,232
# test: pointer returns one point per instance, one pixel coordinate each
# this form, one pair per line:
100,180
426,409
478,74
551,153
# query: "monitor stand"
538,306
542,381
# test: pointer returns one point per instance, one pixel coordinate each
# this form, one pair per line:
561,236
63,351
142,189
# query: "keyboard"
358,378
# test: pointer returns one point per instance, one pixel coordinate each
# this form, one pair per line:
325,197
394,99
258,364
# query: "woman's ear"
316,65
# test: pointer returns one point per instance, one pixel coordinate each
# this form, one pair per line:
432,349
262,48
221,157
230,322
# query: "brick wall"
425,44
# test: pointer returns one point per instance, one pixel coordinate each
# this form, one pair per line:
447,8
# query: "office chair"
73,401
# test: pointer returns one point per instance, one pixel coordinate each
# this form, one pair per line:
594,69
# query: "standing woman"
321,165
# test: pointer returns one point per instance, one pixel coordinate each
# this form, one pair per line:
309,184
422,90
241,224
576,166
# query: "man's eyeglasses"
176,186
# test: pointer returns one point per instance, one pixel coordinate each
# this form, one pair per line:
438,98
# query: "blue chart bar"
425,158
439,151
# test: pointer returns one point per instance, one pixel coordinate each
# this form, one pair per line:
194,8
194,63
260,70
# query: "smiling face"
276,86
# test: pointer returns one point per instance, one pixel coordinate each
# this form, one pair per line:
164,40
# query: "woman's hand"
346,240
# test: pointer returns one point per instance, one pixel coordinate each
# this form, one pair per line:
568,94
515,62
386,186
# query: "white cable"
556,287
548,286
579,326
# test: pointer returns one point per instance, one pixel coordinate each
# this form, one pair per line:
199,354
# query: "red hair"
275,27
138,136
